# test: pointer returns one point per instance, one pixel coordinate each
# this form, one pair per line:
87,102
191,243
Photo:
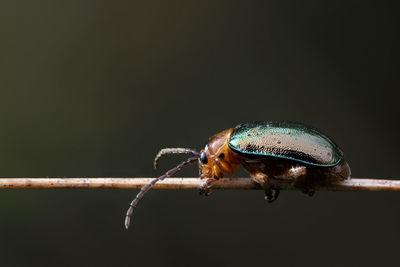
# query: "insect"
269,151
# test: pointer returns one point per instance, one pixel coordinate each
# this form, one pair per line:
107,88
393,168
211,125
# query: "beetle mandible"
269,151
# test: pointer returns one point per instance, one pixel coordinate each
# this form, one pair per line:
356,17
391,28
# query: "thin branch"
189,183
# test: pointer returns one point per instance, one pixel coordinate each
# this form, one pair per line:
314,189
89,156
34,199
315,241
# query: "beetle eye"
221,156
203,158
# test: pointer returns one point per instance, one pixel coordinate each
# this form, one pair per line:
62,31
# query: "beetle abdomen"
285,140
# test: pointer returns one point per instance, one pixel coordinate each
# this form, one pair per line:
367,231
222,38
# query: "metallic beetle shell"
291,141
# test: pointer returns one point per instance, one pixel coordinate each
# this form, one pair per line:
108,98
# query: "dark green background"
96,88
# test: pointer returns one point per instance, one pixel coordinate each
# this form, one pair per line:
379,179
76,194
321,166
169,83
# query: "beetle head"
217,159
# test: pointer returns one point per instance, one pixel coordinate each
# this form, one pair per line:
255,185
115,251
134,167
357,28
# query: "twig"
189,183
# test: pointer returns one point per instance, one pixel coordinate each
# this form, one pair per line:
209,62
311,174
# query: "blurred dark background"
96,88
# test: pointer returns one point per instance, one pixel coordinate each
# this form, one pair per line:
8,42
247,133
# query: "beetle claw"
311,193
304,187
202,190
206,187
275,193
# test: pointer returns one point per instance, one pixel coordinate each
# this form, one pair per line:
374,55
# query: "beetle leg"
298,174
271,194
276,193
293,173
305,188
206,187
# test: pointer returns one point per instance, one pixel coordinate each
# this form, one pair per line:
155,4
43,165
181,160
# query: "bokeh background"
96,88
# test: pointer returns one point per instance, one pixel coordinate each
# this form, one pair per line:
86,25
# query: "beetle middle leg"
271,194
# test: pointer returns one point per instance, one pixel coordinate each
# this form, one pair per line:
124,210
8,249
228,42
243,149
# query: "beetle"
269,151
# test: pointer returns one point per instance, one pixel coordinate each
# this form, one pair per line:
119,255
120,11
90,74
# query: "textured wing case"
285,140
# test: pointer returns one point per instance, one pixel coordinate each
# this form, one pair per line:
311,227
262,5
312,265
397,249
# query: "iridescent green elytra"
285,140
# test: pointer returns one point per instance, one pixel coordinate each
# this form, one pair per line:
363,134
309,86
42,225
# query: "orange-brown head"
217,159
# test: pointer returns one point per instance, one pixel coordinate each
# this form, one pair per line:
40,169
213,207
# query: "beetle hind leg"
271,194
298,176
302,182
275,194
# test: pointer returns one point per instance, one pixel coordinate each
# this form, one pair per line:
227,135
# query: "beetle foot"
206,187
204,191
273,196
270,194
308,190
276,193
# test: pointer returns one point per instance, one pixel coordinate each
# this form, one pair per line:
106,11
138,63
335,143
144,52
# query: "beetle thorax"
220,159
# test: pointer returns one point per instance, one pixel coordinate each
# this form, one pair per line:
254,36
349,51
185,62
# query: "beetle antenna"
147,187
177,150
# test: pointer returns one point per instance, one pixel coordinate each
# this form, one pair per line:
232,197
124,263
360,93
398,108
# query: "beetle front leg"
206,187
271,194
